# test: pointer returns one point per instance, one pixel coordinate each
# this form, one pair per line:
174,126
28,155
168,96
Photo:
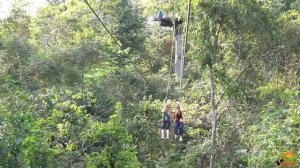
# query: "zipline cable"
116,41
102,24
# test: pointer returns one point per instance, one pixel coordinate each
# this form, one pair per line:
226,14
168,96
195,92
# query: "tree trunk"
212,98
213,115
82,81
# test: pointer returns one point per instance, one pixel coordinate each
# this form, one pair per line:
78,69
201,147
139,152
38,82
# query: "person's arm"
164,109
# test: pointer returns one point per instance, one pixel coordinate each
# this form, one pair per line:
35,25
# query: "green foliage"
57,129
277,131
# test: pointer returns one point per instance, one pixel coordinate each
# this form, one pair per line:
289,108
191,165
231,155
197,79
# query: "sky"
33,5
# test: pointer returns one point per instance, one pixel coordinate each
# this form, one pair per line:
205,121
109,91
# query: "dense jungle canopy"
78,93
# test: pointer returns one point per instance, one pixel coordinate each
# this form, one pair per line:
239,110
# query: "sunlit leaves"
277,131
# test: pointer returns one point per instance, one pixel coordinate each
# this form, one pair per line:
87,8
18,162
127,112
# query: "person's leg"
167,132
168,124
176,129
162,134
163,127
180,130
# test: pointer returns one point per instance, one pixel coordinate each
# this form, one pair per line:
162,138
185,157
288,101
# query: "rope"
170,66
171,59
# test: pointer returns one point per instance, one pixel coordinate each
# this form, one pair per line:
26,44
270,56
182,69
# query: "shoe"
180,139
175,136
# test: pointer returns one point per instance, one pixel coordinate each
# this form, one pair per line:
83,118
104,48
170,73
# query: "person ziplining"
166,120
178,121
178,118
180,47
167,112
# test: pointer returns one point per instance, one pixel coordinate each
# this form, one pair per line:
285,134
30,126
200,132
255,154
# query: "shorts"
165,124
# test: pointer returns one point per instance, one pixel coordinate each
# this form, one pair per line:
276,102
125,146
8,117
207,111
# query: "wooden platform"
167,22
